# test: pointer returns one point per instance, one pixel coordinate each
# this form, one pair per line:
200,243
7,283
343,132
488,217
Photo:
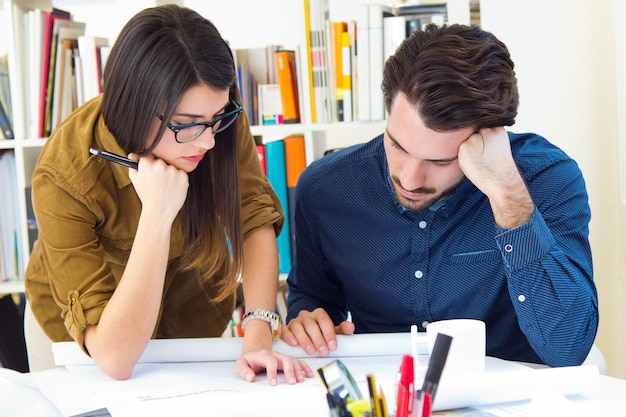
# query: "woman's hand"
160,186
254,361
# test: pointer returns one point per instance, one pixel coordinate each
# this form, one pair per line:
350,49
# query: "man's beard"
422,204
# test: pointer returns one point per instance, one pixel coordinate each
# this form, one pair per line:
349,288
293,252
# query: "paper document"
228,349
183,377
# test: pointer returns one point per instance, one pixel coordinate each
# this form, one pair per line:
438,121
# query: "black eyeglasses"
186,132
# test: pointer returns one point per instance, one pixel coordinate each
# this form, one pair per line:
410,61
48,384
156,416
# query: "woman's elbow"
115,369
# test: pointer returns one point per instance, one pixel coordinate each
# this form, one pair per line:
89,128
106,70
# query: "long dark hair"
456,76
159,54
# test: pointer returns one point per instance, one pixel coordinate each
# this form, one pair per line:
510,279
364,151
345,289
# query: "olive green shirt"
87,213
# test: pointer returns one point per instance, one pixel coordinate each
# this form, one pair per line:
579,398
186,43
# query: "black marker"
436,363
114,158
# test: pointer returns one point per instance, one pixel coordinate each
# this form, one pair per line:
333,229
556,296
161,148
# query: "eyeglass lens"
190,133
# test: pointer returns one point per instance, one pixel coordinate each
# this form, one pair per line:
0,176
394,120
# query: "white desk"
214,388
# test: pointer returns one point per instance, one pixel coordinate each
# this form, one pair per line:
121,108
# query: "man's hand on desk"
315,332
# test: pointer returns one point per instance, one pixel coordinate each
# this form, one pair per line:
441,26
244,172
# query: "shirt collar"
444,206
105,140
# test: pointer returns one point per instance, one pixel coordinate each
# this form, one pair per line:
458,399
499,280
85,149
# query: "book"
248,87
5,89
286,75
319,12
30,218
259,62
309,61
74,29
78,72
277,176
346,74
363,62
89,51
377,12
295,163
338,29
10,240
5,124
63,101
257,67
260,150
49,18
270,104
32,56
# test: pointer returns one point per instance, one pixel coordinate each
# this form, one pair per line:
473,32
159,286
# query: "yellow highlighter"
360,408
374,400
383,404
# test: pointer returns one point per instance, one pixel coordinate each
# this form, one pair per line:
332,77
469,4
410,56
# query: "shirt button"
423,224
419,274
424,324
508,248
521,298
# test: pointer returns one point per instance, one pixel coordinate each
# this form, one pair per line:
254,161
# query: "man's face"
422,162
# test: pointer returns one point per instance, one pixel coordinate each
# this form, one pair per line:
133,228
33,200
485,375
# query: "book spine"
346,74
295,163
288,82
260,150
376,15
5,123
338,29
277,175
363,62
321,86
270,104
309,50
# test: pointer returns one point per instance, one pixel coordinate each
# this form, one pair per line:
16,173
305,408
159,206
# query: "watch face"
339,382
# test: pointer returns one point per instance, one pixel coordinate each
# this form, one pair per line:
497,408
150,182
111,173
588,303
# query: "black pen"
114,158
436,363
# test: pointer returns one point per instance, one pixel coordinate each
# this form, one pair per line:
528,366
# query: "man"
447,215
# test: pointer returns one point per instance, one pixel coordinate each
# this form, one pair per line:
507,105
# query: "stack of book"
283,160
268,82
60,67
345,76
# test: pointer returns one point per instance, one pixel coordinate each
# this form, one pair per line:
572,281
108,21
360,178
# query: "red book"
49,18
260,149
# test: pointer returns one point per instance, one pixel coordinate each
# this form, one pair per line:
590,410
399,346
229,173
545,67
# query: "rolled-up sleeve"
72,259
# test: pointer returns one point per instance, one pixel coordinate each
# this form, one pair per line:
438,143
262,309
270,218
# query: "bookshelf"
264,23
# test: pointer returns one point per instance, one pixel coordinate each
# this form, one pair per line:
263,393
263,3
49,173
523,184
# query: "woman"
125,255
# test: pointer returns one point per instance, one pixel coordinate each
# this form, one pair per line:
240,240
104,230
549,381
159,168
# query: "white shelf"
11,287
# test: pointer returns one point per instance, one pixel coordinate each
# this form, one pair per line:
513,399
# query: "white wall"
564,52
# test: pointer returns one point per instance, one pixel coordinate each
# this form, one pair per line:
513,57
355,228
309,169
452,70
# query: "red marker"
427,405
404,402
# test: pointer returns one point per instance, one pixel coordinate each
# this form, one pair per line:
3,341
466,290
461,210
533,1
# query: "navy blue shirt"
359,251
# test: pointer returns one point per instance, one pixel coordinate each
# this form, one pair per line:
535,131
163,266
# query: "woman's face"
200,103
